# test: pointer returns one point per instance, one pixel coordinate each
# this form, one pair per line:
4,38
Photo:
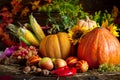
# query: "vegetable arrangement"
77,42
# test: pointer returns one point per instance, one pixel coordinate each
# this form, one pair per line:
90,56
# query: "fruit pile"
52,66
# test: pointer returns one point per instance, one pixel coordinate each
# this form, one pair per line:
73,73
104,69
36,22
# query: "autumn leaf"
6,17
17,6
115,12
35,4
25,11
7,40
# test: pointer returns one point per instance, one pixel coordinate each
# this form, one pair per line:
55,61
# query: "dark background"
95,5
88,5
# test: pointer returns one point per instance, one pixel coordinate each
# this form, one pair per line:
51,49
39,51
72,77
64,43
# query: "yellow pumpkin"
55,46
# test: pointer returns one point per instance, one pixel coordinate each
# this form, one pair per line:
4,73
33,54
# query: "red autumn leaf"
17,6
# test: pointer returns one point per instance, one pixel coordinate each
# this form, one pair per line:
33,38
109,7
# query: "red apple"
46,63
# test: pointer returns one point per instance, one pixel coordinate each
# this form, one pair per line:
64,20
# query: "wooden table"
14,72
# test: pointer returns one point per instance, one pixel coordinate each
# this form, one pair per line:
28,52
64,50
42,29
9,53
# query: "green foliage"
99,17
68,13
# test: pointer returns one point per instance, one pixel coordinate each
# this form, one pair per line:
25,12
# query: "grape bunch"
25,52
109,68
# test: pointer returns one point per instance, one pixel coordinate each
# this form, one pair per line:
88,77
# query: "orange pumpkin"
99,46
55,46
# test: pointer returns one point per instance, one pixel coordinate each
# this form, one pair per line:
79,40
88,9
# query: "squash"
55,46
99,46
82,66
89,24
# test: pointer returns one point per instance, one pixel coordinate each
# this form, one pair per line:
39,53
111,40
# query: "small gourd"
88,23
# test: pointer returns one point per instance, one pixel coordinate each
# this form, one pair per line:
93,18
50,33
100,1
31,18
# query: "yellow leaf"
25,11
35,4
105,24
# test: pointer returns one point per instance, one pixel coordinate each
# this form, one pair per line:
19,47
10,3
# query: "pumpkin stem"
87,18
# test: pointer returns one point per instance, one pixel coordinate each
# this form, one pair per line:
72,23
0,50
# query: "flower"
7,52
76,33
112,28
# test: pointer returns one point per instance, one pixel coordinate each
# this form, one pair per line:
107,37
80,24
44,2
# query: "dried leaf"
115,12
25,11
7,40
17,6
35,4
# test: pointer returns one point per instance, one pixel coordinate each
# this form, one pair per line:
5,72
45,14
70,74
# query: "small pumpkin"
55,46
88,23
71,61
82,66
99,46
33,60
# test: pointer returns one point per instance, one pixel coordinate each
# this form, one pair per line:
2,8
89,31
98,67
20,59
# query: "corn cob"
21,38
29,36
36,28
16,32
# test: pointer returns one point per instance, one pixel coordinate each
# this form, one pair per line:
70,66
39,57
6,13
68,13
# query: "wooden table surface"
14,72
